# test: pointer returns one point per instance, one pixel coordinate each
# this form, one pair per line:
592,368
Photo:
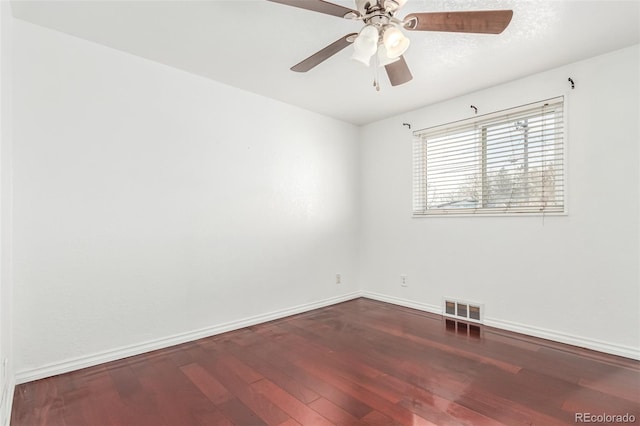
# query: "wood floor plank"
396,412
210,416
40,407
105,400
248,355
169,399
379,419
334,414
617,383
242,370
208,385
256,402
240,414
289,404
290,422
361,362
75,410
281,357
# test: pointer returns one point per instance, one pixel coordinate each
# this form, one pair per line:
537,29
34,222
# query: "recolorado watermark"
604,418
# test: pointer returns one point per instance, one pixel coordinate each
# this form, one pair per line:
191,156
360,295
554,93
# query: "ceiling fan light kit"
382,36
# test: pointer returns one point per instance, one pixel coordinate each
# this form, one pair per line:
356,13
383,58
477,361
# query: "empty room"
303,212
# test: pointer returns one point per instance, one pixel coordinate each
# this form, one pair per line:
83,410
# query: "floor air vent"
463,310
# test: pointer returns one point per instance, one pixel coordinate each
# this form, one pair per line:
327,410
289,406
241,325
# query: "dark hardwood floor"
356,363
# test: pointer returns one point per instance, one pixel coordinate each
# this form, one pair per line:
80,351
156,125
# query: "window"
510,161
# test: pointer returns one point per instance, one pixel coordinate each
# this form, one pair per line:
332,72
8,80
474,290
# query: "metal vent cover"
463,309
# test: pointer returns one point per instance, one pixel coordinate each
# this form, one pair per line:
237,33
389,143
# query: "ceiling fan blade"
398,72
324,54
322,7
485,22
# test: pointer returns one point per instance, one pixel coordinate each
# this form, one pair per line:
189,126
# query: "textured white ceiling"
251,44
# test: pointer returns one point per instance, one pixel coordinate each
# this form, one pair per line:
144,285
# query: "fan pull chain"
376,72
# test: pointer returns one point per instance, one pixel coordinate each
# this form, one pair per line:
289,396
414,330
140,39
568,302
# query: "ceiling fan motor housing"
366,7
362,6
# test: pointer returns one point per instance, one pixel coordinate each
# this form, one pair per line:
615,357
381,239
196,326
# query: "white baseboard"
556,336
165,342
127,351
7,404
403,302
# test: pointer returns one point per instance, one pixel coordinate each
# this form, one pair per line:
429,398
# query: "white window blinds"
511,161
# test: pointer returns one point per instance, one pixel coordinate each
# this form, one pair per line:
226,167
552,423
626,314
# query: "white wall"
573,278
151,203
6,347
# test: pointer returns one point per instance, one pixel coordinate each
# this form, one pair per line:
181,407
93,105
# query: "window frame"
485,120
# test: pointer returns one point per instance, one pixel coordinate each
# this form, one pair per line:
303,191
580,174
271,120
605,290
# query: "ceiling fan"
382,37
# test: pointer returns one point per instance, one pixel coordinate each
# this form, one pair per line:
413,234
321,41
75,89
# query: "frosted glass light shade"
365,45
383,57
363,58
395,42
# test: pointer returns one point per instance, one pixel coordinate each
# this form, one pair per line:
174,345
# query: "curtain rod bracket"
474,109
573,85
407,125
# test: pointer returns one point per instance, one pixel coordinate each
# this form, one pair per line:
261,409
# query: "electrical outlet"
338,279
403,280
